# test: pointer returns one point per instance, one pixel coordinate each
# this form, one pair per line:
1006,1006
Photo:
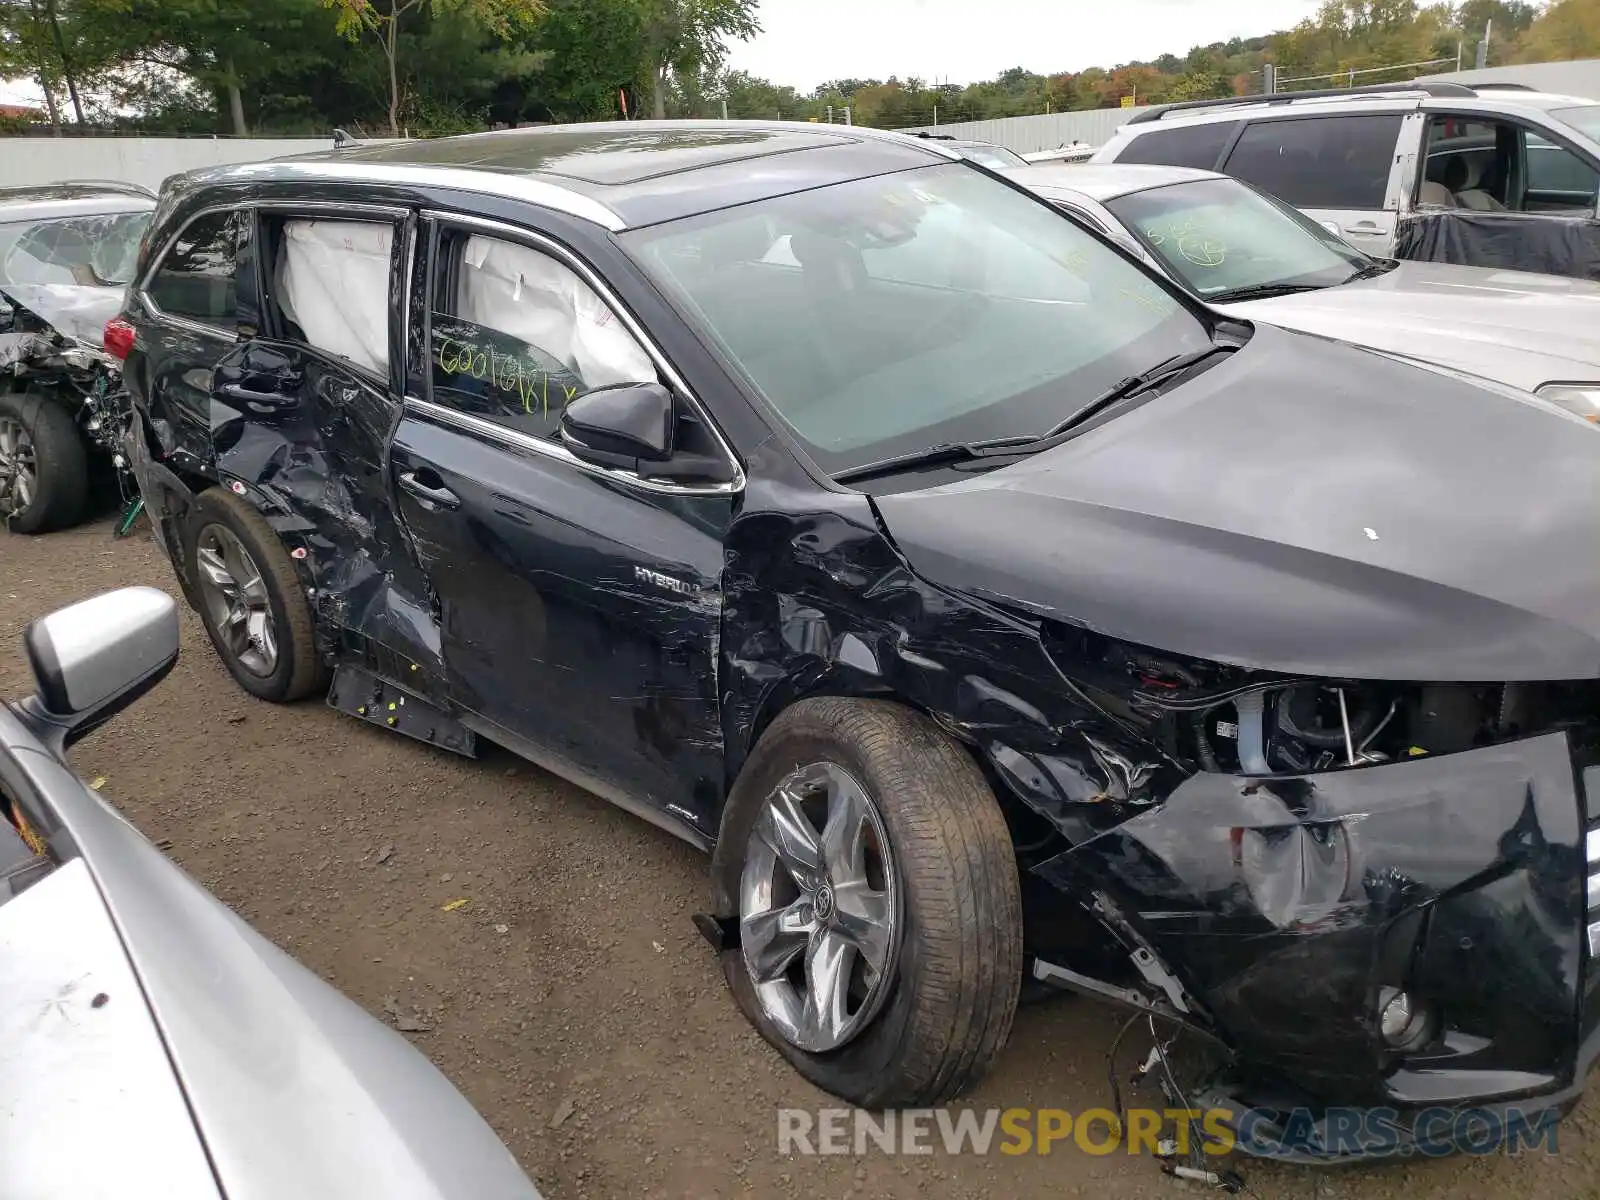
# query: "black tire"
958,972
299,671
61,464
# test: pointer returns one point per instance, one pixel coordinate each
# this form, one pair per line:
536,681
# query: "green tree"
688,36
593,49
1567,29
26,49
382,18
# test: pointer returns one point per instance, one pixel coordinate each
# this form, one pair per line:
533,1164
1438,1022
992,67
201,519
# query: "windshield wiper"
1013,447
933,456
1264,291
1126,388
1378,266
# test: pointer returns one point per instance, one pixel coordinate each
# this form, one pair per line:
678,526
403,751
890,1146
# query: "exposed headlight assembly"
1580,398
1320,725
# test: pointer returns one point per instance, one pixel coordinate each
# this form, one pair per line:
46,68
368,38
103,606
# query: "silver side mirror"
92,659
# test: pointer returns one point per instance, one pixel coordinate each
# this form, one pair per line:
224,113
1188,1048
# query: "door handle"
1364,227
443,497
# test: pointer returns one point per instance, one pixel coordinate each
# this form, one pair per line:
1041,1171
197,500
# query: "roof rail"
1427,89
120,186
1504,87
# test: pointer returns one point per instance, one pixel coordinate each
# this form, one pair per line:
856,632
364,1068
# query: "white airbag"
333,282
534,298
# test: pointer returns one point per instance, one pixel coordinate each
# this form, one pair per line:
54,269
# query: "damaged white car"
66,253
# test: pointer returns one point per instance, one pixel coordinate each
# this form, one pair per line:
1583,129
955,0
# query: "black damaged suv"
985,607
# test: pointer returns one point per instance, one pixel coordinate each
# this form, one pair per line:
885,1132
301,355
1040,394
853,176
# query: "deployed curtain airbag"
534,298
333,282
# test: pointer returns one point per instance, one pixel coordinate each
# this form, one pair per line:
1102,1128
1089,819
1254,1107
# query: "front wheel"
44,467
880,917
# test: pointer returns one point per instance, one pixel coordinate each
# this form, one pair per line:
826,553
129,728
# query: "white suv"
1359,161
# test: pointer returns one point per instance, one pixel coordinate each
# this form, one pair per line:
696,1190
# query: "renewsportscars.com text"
1338,1132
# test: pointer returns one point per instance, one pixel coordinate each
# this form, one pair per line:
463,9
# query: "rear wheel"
879,910
251,600
44,466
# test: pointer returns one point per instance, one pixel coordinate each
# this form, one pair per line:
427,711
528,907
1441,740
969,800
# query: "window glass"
1585,118
911,309
196,278
1555,169
1220,237
1320,162
90,251
522,336
1188,146
997,157
332,286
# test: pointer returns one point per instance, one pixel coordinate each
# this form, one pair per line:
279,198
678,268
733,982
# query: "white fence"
142,160
1051,131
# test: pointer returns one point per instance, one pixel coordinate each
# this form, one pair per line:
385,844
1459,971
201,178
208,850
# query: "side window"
1320,162
330,284
1557,178
516,336
196,278
1189,146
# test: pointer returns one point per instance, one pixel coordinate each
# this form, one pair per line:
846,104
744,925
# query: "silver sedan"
1244,253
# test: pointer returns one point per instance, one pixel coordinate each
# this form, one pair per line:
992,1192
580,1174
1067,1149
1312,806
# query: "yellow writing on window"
527,381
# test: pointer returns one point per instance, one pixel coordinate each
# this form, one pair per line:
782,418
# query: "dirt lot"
569,998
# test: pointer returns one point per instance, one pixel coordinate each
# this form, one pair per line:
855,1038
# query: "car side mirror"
92,659
624,426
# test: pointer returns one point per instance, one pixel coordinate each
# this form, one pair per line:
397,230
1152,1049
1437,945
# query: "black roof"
641,171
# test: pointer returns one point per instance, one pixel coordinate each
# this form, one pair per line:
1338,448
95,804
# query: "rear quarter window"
196,277
1188,146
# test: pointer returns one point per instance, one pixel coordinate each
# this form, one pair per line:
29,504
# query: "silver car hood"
1510,326
295,1090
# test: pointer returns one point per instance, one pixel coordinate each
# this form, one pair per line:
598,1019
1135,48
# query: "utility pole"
724,110
847,114
1269,79
936,116
1483,46
830,114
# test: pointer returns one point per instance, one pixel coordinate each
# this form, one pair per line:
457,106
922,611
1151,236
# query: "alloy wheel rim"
236,599
19,468
819,908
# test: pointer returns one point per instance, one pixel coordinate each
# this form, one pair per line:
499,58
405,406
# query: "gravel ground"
569,998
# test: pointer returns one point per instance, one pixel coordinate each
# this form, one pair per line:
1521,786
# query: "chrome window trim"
506,436
549,246
457,179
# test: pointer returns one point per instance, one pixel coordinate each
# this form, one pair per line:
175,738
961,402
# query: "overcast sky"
807,42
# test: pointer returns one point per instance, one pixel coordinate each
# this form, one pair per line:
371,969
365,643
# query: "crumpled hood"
1512,326
1304,507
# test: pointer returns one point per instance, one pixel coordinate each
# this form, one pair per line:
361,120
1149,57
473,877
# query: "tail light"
118,339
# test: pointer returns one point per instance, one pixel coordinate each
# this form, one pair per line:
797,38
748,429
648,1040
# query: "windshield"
1585,118
937,305
996,157
1219,237
92,251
